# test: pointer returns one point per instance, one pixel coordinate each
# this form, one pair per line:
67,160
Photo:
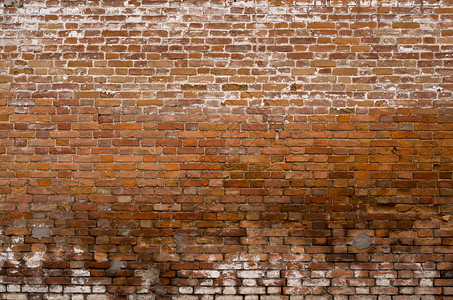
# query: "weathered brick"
214,149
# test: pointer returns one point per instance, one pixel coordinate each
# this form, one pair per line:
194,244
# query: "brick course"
226,149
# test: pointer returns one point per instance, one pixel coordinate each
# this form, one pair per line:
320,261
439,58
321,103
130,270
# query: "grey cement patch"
361,241
41,232
151,276
13,3
115,266
142,297
160,289
179,240
321,297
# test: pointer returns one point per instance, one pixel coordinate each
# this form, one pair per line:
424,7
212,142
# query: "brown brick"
234,87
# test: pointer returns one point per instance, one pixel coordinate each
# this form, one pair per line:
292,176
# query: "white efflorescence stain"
8,256
34,260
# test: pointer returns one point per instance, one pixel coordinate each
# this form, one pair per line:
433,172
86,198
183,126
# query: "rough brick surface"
226,149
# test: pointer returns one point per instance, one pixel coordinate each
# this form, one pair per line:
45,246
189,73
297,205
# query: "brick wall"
228,150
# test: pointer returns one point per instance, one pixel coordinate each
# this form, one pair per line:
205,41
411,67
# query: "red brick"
236,149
